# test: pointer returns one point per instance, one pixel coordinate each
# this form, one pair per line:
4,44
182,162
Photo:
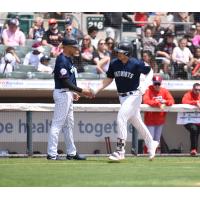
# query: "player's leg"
125,112
62,102
68,129
136,120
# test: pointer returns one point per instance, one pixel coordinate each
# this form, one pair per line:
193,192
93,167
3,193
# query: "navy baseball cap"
45,58
70,42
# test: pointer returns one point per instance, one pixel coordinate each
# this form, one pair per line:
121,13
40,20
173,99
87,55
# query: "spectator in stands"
44,64
165,71
92,32
71,32
148,42
137,18
183,59
196,64
110,43
87,51
158,30
164,50
101,57
148,57
192,97
189,36
53,37
12,36
113,24
196,38
37,30
33,57
156,96
9,61
16,57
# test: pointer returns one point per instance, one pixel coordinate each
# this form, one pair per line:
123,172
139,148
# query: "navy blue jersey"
127,76
63,69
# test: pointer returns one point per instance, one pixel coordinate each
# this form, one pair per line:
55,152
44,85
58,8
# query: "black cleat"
75,157
53,157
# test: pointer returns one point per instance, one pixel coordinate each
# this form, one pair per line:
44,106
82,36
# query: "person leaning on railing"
192,97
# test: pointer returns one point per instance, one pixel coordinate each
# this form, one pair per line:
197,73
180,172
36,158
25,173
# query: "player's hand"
87,92
76,96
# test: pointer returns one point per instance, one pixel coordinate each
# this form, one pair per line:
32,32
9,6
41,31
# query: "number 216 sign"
95,21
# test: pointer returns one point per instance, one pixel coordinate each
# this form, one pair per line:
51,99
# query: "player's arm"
147,70
68,84
103,84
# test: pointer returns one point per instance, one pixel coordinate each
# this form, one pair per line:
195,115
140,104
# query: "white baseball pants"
130,111
63,119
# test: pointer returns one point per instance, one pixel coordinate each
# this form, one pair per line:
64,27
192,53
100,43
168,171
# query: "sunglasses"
198,90
157,84
110,43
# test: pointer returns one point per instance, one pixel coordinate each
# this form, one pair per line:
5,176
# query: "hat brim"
119,50
156,82
73,45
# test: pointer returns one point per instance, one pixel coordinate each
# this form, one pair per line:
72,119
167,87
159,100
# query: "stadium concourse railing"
29,108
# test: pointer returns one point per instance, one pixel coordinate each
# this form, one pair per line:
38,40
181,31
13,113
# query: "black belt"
125,94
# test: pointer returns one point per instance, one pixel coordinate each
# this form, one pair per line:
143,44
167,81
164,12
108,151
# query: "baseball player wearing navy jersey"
63,95
126,71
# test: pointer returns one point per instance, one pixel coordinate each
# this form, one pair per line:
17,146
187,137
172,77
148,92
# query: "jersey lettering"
123,74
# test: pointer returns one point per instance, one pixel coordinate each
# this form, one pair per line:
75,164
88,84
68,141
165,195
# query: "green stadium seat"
2,75
2,49
26,68
90,68
88,75
17,74
42,75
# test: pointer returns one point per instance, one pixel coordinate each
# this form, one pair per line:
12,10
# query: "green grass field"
97,171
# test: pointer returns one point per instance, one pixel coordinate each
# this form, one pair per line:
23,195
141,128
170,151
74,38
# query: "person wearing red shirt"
192,97
156,96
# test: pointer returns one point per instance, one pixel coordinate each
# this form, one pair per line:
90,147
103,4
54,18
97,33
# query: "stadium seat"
52,62
2,75
26,68
90,68
88,75
47,50
17,74
2,49
42,75
21,51
29,43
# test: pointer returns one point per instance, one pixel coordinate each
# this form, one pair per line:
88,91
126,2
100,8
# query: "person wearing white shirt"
183,59
44,65
33,57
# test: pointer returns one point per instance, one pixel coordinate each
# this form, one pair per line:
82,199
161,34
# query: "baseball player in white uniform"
126,71
64,93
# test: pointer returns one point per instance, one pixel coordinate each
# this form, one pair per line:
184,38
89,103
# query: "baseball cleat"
49,157
152,149
117,155
76,157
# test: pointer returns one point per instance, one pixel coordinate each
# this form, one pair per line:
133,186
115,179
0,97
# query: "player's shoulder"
135,61
114,61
